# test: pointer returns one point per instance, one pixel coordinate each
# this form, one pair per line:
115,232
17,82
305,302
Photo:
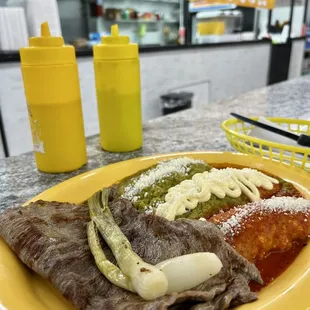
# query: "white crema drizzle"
229,182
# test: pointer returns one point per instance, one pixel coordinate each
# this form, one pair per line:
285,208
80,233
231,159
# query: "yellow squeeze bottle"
52,90
117,75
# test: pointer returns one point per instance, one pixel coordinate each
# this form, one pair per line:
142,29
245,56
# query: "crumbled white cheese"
148,210
286,205
163,169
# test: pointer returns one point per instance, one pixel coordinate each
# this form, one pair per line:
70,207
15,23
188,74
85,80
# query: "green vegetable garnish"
148,281
110,271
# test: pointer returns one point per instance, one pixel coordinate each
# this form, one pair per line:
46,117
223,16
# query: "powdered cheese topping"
288,205
163,169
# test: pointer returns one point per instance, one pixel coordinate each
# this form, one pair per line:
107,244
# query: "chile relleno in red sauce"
269,233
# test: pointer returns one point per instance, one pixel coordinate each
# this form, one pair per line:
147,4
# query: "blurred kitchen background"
153,22
192,53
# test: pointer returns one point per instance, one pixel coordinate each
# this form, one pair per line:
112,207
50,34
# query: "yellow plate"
22,289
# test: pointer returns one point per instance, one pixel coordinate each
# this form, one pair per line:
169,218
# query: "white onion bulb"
187,271
148,281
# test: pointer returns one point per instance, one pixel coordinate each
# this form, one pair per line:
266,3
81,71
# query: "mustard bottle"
52,90
117,76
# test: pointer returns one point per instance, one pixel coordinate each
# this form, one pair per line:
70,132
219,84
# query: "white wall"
297,57
1,148
1,142
230,70
282,13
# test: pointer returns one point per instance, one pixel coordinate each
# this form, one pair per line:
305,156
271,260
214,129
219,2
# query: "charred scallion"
148,281
110,271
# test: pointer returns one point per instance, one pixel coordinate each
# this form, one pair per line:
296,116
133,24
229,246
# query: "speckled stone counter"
191,130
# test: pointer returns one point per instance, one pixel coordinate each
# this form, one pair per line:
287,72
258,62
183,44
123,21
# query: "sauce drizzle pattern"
229,182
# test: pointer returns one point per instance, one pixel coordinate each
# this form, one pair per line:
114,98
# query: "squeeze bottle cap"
115,47
47,49
46,40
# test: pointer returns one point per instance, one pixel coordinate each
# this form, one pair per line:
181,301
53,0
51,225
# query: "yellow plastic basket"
237,134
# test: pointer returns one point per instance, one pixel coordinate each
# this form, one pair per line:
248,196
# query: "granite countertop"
191,130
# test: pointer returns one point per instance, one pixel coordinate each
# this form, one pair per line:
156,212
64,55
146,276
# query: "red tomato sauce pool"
273,265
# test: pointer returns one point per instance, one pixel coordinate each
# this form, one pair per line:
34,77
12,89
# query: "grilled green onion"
148,281
110,271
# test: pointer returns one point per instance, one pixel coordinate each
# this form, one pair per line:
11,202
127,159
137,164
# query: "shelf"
141,21
170,21
132,21
161,1
211,7
157,1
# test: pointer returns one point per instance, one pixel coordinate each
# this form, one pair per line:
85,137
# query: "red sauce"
274,264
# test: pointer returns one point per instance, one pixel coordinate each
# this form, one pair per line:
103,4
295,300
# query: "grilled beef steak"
50,238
